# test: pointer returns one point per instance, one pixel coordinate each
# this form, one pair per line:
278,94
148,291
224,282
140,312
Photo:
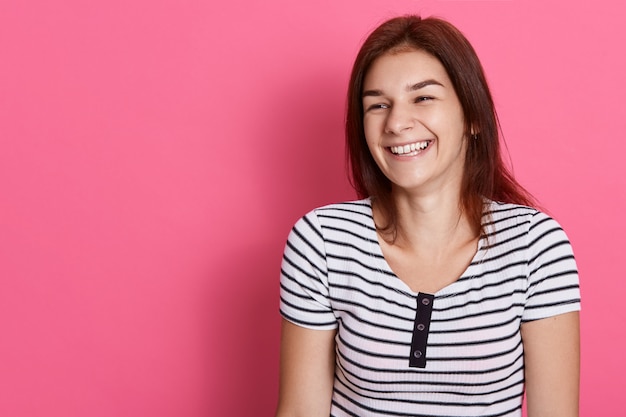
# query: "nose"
399,119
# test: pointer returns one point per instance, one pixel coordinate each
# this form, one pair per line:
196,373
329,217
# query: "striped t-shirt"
334,276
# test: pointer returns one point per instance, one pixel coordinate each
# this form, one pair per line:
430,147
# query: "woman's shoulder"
347,208
508,218
499,212
501,209
346,215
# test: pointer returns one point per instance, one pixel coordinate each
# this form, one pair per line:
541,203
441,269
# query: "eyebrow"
414,87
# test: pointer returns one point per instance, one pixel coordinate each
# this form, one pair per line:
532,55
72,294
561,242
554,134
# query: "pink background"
154,155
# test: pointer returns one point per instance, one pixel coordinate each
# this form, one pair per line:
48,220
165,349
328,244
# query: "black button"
417,353
425,301
420,327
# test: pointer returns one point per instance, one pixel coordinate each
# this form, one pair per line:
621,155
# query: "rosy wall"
154,154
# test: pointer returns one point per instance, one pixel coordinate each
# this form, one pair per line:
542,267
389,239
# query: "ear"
473,133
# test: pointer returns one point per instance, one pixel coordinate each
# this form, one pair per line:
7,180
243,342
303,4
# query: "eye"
421,99
377,106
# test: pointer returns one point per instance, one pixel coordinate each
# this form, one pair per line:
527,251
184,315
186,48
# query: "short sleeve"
304,290
553,284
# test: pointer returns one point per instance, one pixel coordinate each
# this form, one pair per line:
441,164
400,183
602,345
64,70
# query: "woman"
441,292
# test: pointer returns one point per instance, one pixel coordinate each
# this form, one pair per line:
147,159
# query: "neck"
429,223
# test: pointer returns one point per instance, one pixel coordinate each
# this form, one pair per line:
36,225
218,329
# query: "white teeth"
412,147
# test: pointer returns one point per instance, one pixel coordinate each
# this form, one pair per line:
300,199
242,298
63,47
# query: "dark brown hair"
485,175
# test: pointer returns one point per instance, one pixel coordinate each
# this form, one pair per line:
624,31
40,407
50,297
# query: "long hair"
485,175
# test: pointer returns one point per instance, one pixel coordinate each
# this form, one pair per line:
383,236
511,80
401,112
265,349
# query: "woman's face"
413,122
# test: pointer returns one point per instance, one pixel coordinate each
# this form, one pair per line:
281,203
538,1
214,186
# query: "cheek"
372,129
449,125
373,148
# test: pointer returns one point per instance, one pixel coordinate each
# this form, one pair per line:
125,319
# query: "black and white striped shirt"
334,276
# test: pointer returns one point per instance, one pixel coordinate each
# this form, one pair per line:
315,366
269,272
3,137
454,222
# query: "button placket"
421,325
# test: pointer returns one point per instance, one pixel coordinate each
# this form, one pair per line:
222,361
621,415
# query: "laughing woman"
441,292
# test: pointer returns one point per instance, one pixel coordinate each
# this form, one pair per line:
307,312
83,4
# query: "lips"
410,149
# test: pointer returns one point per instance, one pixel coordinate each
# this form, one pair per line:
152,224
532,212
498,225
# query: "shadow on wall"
306,157
245,330
301,164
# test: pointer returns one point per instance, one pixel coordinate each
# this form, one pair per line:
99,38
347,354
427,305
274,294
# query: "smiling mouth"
410,149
